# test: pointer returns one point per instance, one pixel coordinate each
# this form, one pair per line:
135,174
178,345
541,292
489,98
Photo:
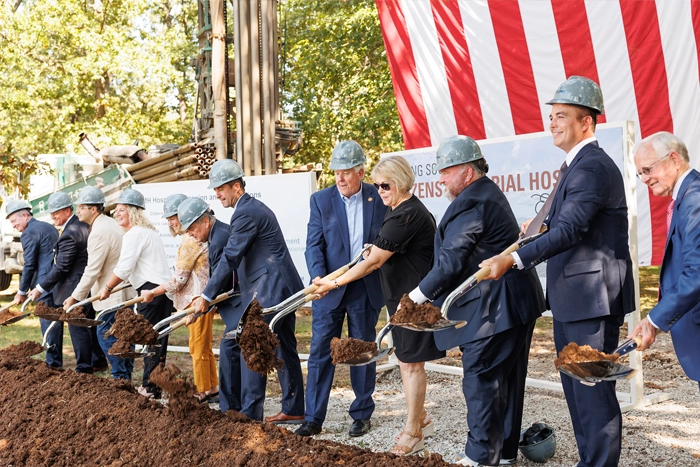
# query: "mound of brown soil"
573,353
77,312
42,310
8,314
22,350
120,347
343,350
58,418
258,343
171,379
411,312
133,328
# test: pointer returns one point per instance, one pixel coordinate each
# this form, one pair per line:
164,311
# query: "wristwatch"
335,281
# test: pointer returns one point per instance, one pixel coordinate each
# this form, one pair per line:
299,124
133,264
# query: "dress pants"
230,358
327,324
157,310
203,360
595,411
82,343
121,368
493,387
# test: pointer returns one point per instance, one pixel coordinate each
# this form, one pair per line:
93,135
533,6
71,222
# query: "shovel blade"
83,322
596,371
15,319
368,357
438,326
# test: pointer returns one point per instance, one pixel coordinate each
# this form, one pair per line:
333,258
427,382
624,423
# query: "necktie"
536,225
60,231
669,216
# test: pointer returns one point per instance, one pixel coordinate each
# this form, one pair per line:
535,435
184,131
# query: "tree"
336,77
117,70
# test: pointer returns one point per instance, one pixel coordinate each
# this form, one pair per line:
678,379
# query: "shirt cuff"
206,298
417,296
652,323
22,292
517,260
40,288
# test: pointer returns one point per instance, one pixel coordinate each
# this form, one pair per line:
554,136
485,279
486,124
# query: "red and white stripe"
485,68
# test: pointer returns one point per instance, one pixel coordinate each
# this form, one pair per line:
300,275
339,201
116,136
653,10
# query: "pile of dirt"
8,314
181,391
42,310
133,328
77,312
350,348
120,347
411,312
573,353
22,350
258,342
53,417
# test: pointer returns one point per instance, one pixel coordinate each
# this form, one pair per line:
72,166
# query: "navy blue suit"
70,261
256,249
328,249
588,257
679,307
500,317
38,242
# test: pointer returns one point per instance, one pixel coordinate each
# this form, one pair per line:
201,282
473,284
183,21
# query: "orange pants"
203,361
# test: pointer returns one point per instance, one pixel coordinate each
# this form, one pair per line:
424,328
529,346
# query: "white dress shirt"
142,258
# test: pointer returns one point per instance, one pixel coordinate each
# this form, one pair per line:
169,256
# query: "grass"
28,329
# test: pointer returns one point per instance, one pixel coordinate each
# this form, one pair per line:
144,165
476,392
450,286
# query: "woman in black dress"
403,253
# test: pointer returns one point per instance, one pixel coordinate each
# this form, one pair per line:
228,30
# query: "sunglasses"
383,186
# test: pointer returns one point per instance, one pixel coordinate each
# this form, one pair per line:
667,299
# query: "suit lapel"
367,212
690,178
341,216
560,192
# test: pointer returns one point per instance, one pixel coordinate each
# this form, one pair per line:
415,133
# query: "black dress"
408,231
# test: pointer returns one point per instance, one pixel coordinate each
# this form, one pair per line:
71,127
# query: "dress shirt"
142,258
353,211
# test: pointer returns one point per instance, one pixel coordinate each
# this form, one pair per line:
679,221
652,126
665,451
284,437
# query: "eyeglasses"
384,186
647,170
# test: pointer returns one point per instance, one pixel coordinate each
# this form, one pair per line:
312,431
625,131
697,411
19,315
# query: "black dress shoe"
308,429
360,427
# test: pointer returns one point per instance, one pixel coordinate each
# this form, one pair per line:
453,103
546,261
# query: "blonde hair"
397,170
137,217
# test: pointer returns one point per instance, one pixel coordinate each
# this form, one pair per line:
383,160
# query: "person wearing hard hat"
199,222
257,250
586,246
142,262
500,316
38,241
69,264
189,279
343,218
103,247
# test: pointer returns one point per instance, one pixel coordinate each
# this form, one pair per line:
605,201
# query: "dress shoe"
284,419
360,427
513,461
308,429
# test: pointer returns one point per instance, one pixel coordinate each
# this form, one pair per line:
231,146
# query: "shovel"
369,357
295,301
178,319
87,322
463,288
18,317
119,306
14,319
592,372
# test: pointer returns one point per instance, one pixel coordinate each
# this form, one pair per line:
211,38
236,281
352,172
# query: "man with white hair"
663,164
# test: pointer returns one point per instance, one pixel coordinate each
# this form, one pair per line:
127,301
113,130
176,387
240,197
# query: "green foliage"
117,70
337,79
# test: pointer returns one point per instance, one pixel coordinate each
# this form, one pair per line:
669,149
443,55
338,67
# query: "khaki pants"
203,361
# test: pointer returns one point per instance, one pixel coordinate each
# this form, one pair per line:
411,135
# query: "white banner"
286,195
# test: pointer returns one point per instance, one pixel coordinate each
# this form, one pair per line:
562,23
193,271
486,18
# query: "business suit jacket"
38,242
328,242
477,225
70,260
586,245
257,250
218,238
103,248
679,307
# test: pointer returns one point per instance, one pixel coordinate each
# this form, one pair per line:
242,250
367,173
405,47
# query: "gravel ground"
667,433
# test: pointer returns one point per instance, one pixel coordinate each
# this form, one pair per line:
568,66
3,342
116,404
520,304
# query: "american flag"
486,68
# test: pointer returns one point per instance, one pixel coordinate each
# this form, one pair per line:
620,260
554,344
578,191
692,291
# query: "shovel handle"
334,275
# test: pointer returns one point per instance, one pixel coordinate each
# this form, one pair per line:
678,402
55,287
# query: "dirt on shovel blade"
181,391
133,328
8,314
77,312
343,350
58,418
258,343
42,310
120,347
573,353
411,312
